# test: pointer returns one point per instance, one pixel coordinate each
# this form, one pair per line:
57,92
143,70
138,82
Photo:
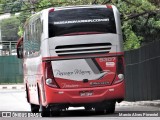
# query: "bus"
73,57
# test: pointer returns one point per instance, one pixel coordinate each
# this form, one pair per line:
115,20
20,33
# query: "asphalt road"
14,100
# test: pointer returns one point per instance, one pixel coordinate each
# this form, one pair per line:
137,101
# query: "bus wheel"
110,107
55,112
27,94
34,108
99,110
45,112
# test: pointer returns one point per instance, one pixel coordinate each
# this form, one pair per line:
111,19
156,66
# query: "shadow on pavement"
83,113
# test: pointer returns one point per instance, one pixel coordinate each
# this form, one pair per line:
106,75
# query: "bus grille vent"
82,49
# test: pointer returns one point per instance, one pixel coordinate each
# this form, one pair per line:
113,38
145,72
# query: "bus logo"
6,114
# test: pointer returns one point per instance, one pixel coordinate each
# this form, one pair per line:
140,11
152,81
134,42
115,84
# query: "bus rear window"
82,20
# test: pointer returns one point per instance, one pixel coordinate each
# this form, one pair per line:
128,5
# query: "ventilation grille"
81,49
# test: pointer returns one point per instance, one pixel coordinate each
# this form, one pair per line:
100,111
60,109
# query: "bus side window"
37,37
32,38
26,41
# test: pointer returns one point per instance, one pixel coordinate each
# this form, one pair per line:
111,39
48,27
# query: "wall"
143,73
10,70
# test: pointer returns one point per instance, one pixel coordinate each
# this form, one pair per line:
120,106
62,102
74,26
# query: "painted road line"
11,87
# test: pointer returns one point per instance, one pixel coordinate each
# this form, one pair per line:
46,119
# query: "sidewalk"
155,103
12,87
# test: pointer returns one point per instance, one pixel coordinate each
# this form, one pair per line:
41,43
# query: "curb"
155,103
11,87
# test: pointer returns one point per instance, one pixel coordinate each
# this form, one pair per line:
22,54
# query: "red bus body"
80,67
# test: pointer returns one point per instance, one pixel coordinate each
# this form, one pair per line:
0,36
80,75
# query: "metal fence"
143,73
10,70
7,48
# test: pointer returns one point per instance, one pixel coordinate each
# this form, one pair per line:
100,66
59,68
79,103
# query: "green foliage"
132,41
10,6
20,31
140,24
140,18
9,28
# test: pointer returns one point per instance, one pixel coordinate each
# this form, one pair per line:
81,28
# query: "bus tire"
99,110
110,108
45,112
34,108
55,112
27,94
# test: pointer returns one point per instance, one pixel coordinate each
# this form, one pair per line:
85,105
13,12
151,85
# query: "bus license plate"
86,93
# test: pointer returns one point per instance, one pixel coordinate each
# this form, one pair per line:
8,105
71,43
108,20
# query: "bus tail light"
49,76
109,6
120,71
51,10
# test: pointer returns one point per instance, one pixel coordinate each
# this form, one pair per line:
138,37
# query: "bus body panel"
97,76
112,39
72,96
32,76
117,20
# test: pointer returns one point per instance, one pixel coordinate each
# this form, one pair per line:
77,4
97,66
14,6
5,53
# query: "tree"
140,18
141,22
10,6
9,28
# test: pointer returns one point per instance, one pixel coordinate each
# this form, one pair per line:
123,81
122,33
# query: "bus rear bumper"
72,96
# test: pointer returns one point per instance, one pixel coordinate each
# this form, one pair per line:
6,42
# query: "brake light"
120,70
109,6
49,78
51,10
